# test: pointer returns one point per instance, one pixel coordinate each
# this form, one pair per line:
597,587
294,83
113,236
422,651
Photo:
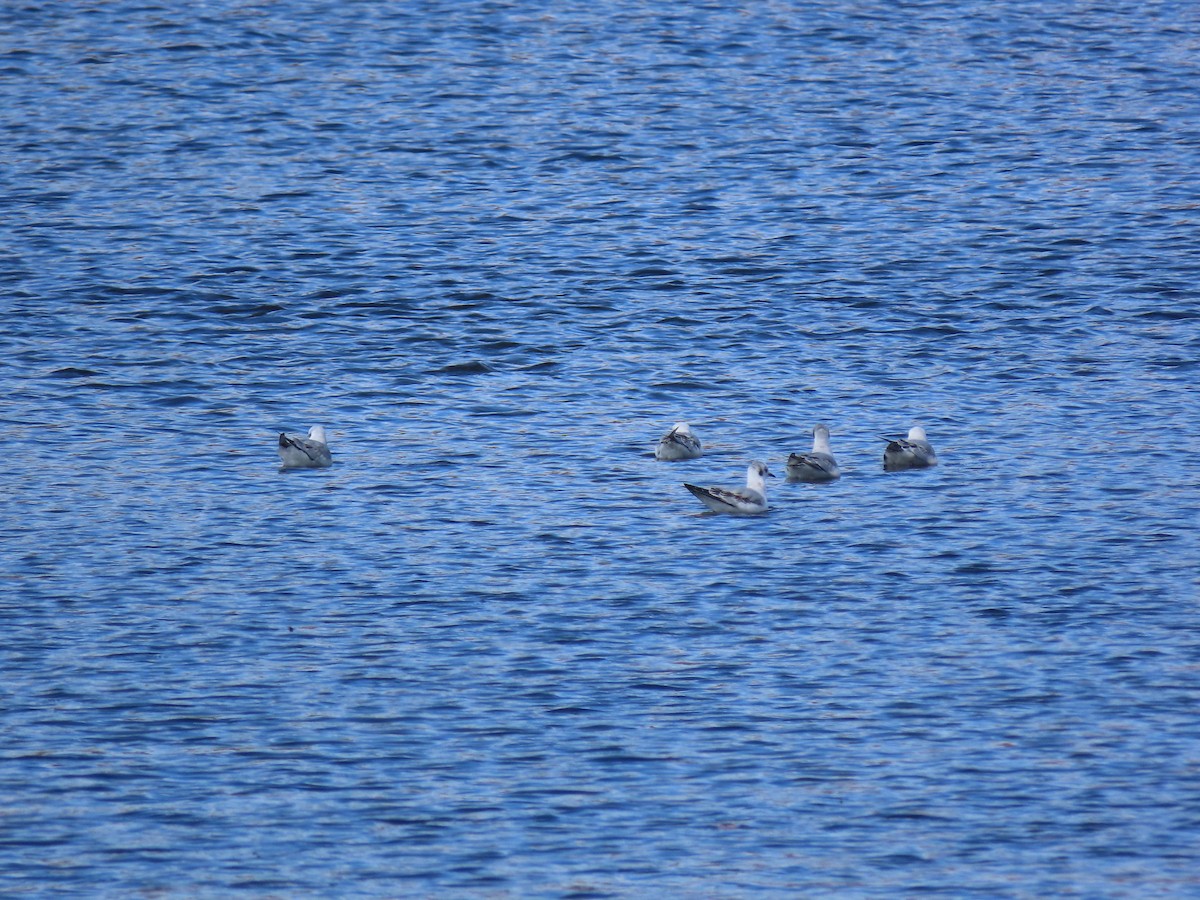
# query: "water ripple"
496,648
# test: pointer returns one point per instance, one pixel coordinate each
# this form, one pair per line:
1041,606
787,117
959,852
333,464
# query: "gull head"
317,433
916,433
821,438
759,470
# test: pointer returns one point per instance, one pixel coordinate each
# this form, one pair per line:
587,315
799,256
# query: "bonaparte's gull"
816,466
678,443
912,452
742,501
311,452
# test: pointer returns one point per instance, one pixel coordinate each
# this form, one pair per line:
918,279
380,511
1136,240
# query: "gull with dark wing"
745,501
912,452
816,466
678,443
311,452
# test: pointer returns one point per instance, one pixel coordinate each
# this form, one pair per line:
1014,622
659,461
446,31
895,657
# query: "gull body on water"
912,452
819,465
311,452
749,500
678,443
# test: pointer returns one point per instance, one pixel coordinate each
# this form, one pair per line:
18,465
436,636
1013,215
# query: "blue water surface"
497,249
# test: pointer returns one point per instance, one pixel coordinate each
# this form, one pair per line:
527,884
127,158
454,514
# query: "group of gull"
912,452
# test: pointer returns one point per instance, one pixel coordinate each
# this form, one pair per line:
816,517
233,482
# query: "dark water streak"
497,249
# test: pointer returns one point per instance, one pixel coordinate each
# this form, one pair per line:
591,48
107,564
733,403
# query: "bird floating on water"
912,452
678,443
749,500
819,465
311,452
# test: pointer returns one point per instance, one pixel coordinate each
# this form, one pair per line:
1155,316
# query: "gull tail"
709,499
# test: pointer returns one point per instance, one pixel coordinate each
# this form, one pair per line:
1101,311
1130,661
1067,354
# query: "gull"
816,466
912,452
678,443
311,452
741,501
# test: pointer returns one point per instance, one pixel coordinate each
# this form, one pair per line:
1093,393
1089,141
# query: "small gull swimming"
740,501
912,452
311,452
678,443
819,465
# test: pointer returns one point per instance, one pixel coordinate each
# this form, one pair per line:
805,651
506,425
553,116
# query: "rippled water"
497,250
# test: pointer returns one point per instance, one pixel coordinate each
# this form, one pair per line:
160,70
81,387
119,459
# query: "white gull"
678,443
305,453
912,452
740,501
819,465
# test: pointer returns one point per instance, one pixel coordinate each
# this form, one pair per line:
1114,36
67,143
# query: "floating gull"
742,501
311,452
678,443
912,452
816,466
